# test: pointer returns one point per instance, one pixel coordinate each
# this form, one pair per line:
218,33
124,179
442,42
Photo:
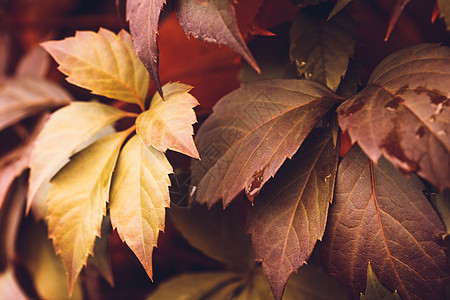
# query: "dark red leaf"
396,12
251,132
143,16
404,112
291,211
213,21
381,216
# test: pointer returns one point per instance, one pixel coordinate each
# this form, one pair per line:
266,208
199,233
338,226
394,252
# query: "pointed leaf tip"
168,124
117,73
214,21
139,198
77,202
143,16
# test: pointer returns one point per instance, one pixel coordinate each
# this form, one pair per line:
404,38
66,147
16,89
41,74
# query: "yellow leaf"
167,124
102,62
77,202
66,130
139,196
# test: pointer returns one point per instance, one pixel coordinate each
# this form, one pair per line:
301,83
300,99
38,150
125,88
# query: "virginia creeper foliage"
320,167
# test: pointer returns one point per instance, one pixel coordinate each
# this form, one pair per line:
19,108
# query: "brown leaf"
143,16
321,48
404,112
380,215
16,161
250,134
213,21
24,96
35,63
291,212
395,14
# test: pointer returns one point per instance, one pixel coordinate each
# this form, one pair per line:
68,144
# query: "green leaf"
216,232
441,203
77,202
404,114
66,130
24,96
310,283
143,16
375,290
194,286
139,197
102,62
321,49
100,258
291,211
213,21
45,268
444,11
250,134
340,4
167,123
380,215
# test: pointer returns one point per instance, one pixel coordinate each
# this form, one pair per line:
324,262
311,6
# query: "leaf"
213,21
340,4
380,215
9,287
66,130
321,49
102,62
272,55
77,202
139,196
291,212
444,11
10,218
13,163
375,290
167,124
194,286
218,233
312,283
404,112
395,14
35,63
46,270
143,16
441,203
101,258
24,96
250,134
